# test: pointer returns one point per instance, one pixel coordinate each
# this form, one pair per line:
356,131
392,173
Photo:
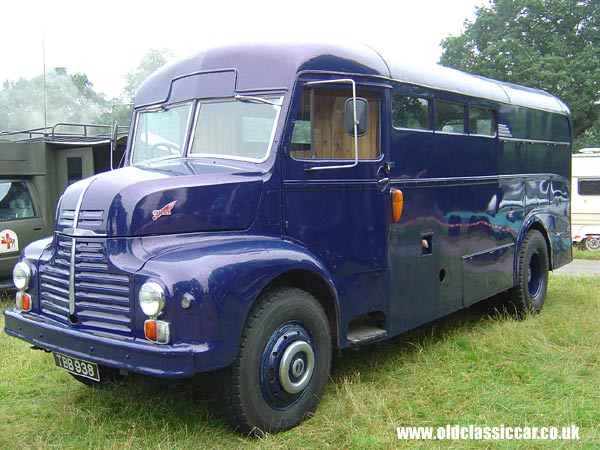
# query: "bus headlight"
21,276
152,298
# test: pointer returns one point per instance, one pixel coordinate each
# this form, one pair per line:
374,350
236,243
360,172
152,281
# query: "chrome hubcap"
287,365
296,367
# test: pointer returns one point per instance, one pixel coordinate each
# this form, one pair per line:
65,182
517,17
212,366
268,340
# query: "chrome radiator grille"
101,292
87,217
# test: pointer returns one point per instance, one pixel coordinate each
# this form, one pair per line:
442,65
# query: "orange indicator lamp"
397,204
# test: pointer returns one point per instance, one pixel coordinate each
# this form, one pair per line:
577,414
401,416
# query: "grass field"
468,369
584,254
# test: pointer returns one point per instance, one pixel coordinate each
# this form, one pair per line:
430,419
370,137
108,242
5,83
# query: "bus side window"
410,112
481,121
319,130
449,117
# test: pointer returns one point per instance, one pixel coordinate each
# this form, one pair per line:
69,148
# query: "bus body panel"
205,269
218,231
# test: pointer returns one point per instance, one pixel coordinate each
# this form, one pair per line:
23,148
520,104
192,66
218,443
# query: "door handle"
382,182
383,178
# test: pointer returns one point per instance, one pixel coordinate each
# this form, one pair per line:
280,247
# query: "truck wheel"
592,243
530,293
282,366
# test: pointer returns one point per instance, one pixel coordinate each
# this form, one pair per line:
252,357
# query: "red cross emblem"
8,241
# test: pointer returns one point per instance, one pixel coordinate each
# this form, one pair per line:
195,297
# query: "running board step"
363,333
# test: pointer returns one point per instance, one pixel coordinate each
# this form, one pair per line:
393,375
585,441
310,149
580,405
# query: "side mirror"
362,116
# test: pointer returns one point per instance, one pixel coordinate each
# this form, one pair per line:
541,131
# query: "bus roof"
266,66
452,80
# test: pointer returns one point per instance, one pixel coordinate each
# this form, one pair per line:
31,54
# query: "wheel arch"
318,287
227,278
534,223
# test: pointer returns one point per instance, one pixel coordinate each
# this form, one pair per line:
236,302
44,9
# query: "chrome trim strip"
89,181
80,233
72,277
534,141
488,251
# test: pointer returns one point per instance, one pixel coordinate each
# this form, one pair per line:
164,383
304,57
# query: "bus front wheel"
282,366
530,293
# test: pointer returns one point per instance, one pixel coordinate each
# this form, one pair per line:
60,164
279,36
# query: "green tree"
590,138
548,44
32,103
151,61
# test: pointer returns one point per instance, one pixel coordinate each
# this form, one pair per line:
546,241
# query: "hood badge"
164,211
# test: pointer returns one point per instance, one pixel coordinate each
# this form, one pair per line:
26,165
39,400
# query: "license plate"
77,366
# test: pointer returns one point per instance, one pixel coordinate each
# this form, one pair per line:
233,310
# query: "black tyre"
282,366
592,243
529,295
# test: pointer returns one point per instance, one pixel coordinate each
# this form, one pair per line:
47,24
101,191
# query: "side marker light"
397,204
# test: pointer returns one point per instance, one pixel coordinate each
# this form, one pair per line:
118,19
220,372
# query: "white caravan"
585,199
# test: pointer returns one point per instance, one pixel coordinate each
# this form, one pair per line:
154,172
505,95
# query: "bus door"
425,241
425,265
336,203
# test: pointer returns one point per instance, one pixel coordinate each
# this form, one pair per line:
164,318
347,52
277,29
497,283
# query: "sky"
106,38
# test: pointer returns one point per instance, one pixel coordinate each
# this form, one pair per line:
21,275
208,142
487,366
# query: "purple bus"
279,201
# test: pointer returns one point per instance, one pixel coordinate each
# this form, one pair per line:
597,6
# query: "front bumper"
131,354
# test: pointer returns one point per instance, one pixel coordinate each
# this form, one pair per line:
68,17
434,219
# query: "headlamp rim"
26,272
152,307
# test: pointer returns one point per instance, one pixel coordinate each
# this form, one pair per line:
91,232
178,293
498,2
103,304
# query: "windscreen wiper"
249,99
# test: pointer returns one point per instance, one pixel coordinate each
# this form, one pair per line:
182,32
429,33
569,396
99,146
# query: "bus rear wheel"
283,363
530,293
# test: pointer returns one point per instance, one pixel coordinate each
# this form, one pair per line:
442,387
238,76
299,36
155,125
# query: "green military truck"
35,168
